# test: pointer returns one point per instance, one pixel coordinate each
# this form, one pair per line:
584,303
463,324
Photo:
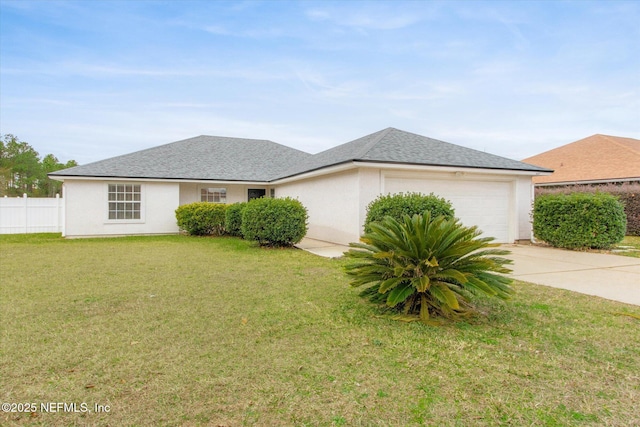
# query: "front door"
256,193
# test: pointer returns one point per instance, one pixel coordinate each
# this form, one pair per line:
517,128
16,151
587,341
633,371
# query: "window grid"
124,201
213,195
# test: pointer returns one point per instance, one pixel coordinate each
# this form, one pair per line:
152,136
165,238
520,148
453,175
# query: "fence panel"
31,215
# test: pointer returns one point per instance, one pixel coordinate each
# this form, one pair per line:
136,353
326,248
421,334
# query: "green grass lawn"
200,331
630,242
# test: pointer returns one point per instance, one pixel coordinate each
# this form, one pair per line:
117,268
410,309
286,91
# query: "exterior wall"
370,186
524,205
337,203
498,203
86,208
190,191
332,203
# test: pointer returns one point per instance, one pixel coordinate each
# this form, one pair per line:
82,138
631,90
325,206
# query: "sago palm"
427,267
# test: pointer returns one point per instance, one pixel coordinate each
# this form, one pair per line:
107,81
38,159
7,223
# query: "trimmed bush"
628,193
202,218
579,220
274,222
233,219
398,205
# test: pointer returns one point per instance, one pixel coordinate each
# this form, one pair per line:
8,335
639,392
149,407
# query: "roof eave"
355,163
520,170
587,182
155,179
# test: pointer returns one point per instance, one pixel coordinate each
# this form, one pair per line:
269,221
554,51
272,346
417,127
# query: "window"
255,193
272,193
215,195
124,201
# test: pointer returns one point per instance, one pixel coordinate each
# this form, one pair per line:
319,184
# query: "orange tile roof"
596,158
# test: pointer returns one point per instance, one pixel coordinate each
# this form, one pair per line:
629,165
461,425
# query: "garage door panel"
481,203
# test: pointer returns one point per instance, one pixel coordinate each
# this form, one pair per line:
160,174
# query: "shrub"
631,202
201,218
628,193
427,267
233,219
398,205
274,222
579,220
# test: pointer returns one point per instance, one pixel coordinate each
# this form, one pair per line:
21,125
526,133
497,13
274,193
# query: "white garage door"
481,203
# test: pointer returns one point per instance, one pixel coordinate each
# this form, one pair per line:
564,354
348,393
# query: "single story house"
597,159
138,193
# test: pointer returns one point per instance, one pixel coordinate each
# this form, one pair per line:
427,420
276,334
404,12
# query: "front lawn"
177,330
630,246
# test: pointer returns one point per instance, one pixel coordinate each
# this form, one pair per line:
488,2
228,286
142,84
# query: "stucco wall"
332,203
524,203
371,186
337,203
86,208
190,191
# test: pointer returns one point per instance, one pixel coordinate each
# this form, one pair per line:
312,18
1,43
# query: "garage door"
481,203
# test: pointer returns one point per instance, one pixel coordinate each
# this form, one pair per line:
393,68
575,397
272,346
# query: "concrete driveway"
608,276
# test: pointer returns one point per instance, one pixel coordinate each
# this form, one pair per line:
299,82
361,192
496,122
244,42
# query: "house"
598,159
138,193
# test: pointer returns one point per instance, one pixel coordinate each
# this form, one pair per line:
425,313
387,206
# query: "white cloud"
318,84
217,29
499,77
376,16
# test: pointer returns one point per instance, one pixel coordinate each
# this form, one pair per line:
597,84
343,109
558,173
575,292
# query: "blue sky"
88,80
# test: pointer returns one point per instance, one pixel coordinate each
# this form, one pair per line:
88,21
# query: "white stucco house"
138,193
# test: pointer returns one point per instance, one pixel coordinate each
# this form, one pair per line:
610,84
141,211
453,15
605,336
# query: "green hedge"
398,205
631,202
274,222
628,193
579,220
202,218
233,219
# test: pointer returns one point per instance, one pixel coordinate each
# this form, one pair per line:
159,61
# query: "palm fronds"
427,267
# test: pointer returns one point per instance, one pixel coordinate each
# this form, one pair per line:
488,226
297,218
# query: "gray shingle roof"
236,159
396,146
199,158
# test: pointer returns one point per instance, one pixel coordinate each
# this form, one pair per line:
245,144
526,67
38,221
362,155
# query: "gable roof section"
595,158
200,158
235,159
396,146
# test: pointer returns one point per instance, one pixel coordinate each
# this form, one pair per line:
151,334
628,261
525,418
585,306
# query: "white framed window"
272,193
125,201
213,195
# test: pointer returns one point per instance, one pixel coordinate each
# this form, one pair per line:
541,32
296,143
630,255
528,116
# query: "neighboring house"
138,193
598,159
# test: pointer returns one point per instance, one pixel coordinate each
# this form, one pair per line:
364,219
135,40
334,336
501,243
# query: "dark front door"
256,193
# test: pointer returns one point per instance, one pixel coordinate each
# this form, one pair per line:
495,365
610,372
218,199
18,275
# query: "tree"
21,166
22,171
48,187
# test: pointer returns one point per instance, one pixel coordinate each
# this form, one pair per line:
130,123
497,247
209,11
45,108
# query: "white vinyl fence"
31,215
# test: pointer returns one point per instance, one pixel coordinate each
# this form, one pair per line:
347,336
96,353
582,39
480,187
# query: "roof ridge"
562,147
375,140
609,138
